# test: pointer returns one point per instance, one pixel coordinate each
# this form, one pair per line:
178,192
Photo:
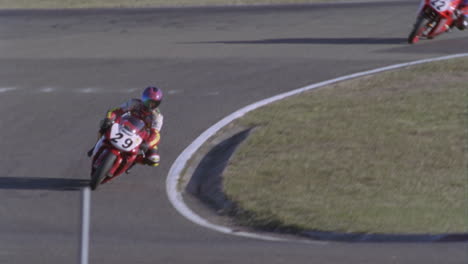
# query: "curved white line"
175,196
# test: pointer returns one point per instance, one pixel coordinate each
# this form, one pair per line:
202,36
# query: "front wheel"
100,173
419,27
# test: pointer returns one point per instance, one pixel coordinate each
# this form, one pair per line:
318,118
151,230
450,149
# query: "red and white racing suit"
153,120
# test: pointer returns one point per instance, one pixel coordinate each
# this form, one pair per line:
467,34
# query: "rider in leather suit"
147,110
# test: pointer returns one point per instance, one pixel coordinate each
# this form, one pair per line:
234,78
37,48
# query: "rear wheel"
419,27
100,173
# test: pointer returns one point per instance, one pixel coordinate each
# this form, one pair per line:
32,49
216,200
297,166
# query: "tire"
418,29
101,172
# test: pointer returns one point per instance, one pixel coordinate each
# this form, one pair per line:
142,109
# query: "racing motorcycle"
434,18
120,147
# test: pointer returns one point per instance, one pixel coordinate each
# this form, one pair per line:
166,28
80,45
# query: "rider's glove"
105,124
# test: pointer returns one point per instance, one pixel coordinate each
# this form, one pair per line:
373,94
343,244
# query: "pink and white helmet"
152,97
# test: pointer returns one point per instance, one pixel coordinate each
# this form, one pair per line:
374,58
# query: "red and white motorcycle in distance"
118,149
434,18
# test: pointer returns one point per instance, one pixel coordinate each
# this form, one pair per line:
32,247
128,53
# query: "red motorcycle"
121,146
434,18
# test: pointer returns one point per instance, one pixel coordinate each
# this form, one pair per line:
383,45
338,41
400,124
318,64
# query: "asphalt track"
60,71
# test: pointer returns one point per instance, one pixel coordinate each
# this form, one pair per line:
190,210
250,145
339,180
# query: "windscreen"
132,124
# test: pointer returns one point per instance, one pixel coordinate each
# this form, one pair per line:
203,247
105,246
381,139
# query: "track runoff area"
172,181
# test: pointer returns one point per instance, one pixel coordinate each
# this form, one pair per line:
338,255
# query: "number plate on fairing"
122,139
440,5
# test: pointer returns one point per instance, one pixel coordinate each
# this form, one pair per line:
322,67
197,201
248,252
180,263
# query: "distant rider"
147,110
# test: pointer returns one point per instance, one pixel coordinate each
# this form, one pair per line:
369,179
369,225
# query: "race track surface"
61,70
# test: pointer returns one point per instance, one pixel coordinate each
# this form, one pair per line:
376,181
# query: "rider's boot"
152,158
465,22
462,20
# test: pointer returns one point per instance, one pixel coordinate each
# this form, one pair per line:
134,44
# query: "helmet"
151,97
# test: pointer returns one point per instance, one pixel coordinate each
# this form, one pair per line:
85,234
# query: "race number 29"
124,142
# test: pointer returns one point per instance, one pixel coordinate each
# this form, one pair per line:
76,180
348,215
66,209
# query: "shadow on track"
438,45
331,41
38,183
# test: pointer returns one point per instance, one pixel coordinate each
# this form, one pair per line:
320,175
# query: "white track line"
47,90
87,90
175,195
7,89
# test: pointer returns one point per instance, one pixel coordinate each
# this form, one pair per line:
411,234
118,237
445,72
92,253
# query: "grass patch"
18,4
380,154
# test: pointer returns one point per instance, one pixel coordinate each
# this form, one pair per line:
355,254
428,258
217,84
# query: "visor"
150,104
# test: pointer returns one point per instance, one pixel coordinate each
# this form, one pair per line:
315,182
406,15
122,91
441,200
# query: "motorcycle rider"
461,19
147,110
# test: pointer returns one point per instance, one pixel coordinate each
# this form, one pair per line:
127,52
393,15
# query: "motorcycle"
434,18
119,148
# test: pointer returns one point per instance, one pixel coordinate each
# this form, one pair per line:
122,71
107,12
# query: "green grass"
380,154
18,4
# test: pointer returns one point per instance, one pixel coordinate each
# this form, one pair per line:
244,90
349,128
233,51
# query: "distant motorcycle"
435,17
121,146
